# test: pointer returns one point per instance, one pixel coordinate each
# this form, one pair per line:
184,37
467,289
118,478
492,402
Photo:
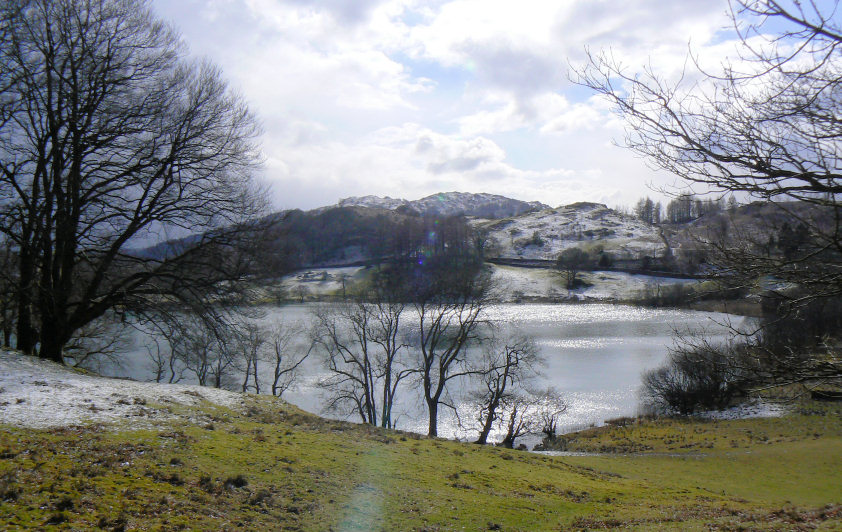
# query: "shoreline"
520,285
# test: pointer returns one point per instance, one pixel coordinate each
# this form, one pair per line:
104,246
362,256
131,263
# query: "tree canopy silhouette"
112,140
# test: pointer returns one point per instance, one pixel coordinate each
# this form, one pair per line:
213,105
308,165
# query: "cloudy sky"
405,98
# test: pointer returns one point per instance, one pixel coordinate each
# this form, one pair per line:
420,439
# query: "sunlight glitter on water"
576,343
575,313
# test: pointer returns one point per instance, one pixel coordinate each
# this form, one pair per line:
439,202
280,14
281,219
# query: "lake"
594,353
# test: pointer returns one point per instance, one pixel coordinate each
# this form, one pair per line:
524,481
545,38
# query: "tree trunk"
52,343
486,427
256,380
386,413
278,373
25,335
433,408
509,441
248,374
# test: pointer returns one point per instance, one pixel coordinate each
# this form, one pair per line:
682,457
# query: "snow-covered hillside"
483,205
384,202
544,234
527,284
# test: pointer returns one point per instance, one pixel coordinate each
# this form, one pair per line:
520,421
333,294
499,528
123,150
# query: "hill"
259,463
450,204
546,233
360,230
370,229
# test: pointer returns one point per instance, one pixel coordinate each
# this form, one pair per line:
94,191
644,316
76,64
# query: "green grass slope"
275,467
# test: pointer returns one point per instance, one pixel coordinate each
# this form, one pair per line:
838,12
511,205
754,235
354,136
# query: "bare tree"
195,347
449,317
698,374
222,362
8,290
249,343
301,292
110,141
341,335
551,406
361,341
207,347
285,362
163,361
157,360
531,412
520,419
388,333
507,365
765,126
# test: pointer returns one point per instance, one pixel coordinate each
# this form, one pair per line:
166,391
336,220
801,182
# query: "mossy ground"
275,467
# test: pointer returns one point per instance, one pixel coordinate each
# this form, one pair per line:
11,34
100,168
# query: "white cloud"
445,154
510,112
412,161
409,97
579,117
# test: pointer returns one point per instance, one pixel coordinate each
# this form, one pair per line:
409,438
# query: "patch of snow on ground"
517,283
755,408
529,283
319,282
620,286
37,393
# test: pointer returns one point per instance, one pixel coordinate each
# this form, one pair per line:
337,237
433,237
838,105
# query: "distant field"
513,284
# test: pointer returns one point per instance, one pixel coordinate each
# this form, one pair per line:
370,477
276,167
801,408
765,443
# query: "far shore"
531,285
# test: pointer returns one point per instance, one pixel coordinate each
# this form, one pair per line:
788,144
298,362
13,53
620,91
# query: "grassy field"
275,467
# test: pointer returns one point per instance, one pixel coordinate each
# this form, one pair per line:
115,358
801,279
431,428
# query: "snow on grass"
37,393
317,282
619,286
750,409
535,283
527,283
545,234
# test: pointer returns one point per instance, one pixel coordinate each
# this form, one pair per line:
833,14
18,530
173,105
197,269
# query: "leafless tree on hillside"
449,321
531,412
507,366
365,353
249,343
